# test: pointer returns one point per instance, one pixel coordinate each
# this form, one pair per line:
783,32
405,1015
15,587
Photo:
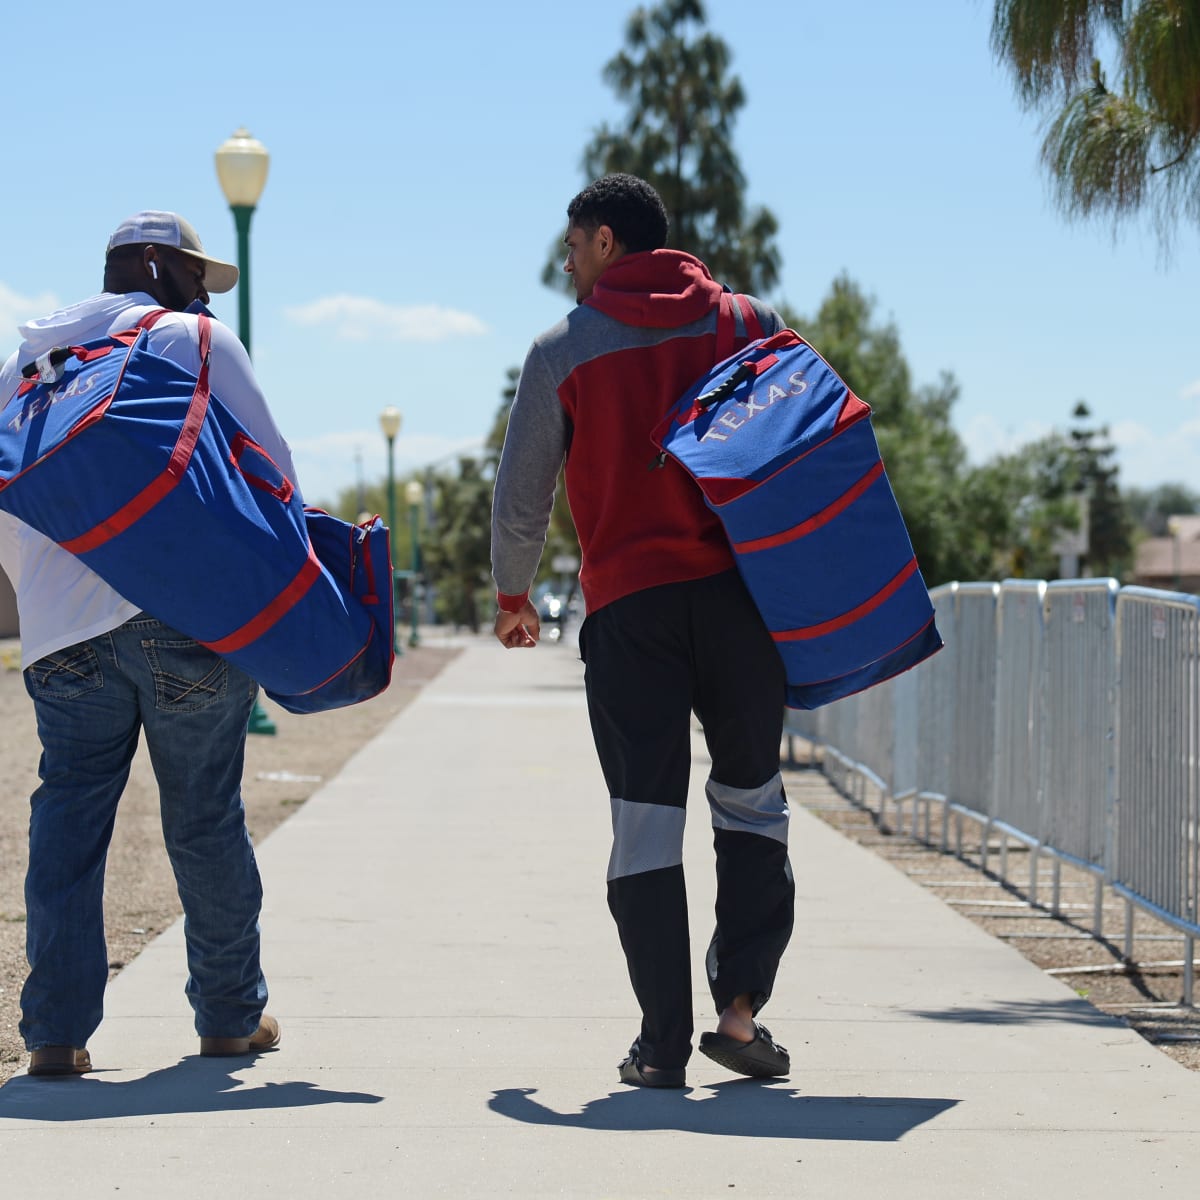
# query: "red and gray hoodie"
591,390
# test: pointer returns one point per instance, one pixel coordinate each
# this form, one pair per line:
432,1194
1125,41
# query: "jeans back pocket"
187,676
66,674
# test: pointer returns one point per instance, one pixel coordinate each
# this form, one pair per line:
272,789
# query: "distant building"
1173,562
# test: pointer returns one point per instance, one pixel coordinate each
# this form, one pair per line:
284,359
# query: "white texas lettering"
751,405
77,387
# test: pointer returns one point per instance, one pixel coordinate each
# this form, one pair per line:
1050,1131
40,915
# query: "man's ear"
607,244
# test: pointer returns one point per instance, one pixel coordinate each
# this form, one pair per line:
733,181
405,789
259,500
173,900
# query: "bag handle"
242,441
732,306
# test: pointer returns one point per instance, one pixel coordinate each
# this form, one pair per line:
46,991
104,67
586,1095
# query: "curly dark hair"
629,206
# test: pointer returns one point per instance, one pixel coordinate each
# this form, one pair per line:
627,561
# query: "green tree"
561,538
1020,504
925,458
1110,529
1150,508
674,76
456,561
1026,501
1111,152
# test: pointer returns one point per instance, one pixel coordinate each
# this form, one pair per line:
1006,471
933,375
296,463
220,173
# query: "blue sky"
422,157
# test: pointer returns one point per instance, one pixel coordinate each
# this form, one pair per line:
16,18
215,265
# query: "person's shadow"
736,1108
193,1085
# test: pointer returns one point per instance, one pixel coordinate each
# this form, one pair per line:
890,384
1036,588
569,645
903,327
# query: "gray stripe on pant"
762,810
646,837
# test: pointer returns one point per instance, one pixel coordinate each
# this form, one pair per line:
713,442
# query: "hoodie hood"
77,322
656,289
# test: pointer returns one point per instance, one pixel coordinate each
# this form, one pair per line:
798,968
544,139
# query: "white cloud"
985,437
15,310
1147,458
1192,391
360,319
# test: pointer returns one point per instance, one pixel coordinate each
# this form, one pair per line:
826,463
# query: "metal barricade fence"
1157,846
1080,709
936,680
804,723
1016,804
906,734
839,743
1068,716
858,742
874,750
972,753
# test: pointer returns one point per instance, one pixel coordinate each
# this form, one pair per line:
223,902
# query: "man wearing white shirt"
100,671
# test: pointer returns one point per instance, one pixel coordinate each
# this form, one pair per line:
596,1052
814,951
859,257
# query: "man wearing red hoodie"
670,628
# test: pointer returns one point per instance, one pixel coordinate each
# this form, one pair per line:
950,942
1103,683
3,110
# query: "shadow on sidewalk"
194,1085
738,1108
1069,1010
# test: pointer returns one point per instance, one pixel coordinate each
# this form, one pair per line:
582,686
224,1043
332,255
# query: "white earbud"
154,268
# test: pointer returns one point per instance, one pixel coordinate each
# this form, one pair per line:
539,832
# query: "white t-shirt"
59,600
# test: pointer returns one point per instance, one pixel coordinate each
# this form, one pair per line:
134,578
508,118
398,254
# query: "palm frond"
1049,44
1162,60
1098,153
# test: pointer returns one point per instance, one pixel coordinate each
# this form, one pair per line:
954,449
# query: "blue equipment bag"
785,455
127,460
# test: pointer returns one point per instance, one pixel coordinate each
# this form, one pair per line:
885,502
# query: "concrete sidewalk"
454,1004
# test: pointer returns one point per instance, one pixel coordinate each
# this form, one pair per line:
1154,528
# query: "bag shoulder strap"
753,326
152,318
736,321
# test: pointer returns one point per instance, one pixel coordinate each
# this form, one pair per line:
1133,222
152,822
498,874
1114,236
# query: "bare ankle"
737,1019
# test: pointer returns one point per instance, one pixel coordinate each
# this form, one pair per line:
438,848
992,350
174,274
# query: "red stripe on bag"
345,666
286,600
177,465
853,409
826,515
855,614
369,596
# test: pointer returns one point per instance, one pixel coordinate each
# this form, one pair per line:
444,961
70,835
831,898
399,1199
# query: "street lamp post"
389,422
242,163
414,493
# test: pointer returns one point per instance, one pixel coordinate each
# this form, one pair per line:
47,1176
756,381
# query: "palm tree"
1111,152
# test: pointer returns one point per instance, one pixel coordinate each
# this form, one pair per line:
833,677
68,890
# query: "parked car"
555,605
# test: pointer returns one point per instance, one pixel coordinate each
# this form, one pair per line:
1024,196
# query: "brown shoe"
265,1037
49,1061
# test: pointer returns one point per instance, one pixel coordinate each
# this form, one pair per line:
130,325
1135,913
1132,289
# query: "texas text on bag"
785,455
127,460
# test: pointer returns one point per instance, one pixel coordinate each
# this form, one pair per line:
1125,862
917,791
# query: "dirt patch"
282,771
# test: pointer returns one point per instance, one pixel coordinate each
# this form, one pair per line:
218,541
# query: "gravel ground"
282,771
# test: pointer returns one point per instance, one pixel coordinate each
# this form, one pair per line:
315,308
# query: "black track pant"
654,658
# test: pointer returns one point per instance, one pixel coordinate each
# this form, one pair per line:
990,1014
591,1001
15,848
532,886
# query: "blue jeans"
91,700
